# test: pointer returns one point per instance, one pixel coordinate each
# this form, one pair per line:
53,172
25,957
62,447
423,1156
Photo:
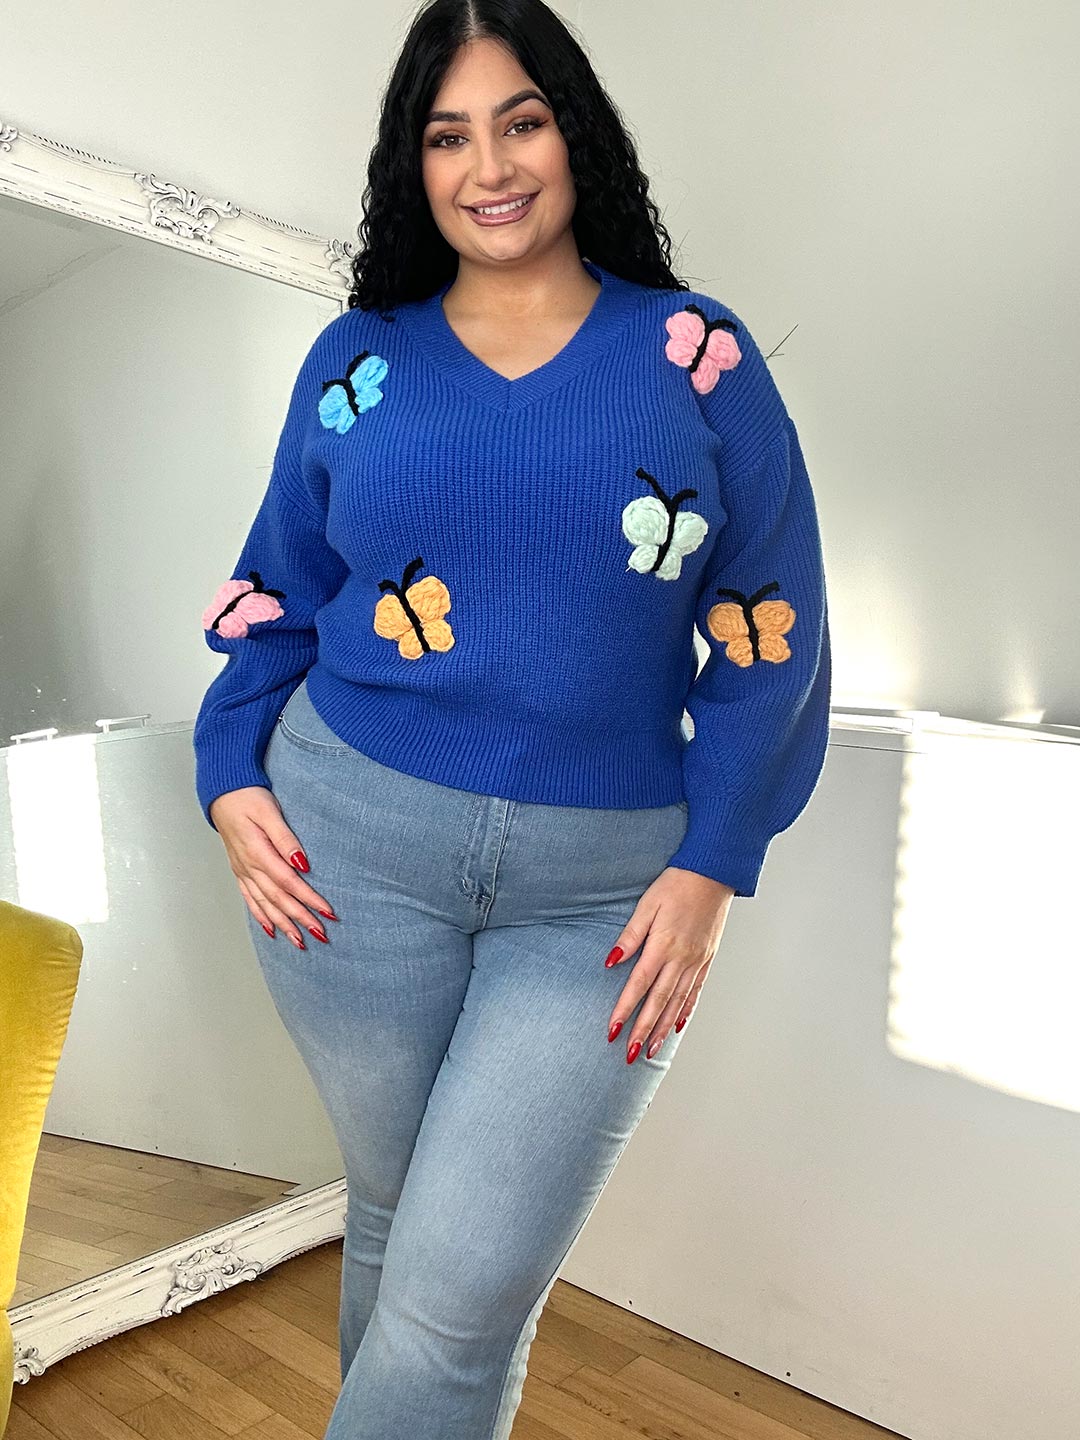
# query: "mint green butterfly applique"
660,532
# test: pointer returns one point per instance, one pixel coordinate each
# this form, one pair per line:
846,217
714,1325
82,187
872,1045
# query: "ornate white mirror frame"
49,173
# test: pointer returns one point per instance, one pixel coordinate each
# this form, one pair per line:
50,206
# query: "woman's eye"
437,143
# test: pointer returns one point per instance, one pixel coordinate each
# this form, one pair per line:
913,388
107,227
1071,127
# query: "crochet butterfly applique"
702,346
661,533
349,395
240,603
753,629
412,614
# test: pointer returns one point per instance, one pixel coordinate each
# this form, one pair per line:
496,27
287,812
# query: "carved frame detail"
51,1326
61,177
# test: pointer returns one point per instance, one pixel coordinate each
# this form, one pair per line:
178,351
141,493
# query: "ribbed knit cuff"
225,760
724,841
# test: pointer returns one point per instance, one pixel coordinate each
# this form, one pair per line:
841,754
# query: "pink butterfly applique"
240,603
702,346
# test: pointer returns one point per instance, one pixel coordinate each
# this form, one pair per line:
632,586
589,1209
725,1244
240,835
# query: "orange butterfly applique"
413,614
754,629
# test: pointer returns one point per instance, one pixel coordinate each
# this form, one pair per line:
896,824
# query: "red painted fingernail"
319,933
680,1023
269,929
299,861
632,1053
328,913
298,943
615,956
613,1032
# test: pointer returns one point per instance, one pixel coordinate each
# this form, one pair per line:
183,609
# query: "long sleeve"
263,618
760,703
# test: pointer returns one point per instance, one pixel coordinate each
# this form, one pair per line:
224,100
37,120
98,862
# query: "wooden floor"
260,1362
93,1207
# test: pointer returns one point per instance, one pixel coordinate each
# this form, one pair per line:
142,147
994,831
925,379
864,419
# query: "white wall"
897,182
861,1174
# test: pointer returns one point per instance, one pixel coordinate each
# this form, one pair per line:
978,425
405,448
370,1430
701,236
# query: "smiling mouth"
513,208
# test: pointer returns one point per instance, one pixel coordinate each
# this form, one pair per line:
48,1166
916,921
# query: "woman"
512,476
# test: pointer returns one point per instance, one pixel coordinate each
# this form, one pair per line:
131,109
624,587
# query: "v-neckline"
428,324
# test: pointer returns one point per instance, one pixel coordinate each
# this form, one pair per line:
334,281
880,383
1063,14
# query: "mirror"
143,393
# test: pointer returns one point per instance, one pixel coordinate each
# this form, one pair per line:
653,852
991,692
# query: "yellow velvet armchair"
40,958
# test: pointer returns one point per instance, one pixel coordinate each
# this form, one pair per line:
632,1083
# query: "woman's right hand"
259,845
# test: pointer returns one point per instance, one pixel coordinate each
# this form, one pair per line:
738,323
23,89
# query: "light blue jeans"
455,1028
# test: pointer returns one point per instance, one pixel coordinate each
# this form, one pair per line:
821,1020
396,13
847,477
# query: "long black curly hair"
403,255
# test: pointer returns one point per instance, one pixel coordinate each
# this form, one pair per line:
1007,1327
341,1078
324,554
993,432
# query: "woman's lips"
507,219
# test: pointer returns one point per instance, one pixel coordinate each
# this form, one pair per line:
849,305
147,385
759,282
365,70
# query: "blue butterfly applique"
358,390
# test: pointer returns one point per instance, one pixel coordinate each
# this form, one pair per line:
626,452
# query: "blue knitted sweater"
493,584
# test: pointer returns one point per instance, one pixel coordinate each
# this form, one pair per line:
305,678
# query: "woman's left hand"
680,919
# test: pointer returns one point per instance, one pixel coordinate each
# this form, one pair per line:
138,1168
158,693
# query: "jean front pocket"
303,726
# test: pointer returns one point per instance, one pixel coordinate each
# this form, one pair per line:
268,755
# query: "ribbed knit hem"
548,760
